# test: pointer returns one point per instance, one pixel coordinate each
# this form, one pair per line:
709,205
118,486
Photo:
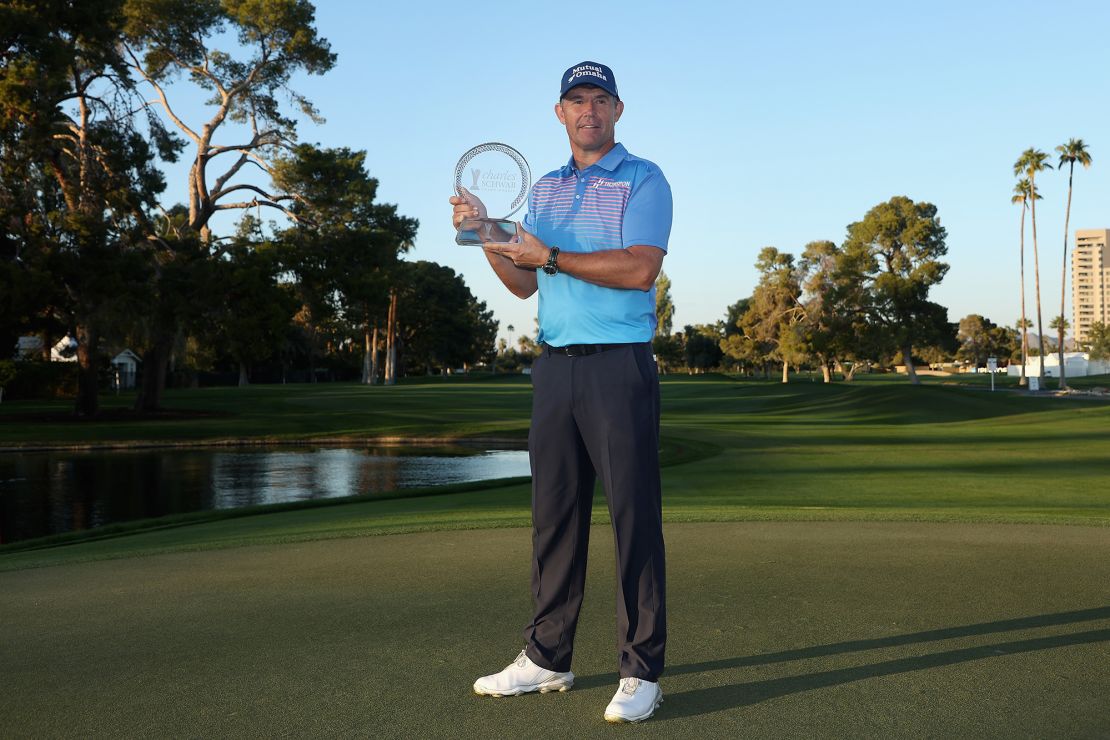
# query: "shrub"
37,379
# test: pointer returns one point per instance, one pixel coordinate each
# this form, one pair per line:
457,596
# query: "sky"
775,124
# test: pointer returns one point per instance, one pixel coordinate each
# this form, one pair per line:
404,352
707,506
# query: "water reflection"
50,492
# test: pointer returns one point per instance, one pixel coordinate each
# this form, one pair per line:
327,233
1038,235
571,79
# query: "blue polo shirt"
620,201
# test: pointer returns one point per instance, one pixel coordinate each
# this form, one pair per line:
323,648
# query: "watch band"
552,265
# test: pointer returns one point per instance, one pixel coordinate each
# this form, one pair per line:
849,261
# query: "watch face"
552,267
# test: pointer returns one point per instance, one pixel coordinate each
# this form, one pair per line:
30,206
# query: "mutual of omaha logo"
586,70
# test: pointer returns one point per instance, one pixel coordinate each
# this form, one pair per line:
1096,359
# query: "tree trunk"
907,357
87,386
312,354
366,351
1024,330
1064,282
1063,385
391,341
155,361
785,371
244,374
374,357
1037,282
826,374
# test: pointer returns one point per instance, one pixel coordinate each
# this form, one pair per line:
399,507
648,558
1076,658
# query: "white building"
125,366
1076,365
1090,281
30,348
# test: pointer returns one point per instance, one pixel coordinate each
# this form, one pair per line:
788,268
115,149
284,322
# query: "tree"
79,176
835,317
169,39
896,250
1074,150
343,246
669,351
1024,192
1061,325
1098,341
664,305
440,322
979,338
1030,163
1020,335
735,344
248,312
702,347
528,347
776,310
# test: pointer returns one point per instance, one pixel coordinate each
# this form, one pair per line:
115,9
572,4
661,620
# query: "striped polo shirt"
620,201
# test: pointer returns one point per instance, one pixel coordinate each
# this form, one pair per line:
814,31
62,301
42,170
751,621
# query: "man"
592,244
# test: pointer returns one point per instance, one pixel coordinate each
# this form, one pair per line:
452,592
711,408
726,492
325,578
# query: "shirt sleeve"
647,216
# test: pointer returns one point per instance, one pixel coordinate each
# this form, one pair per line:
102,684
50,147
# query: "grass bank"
876,449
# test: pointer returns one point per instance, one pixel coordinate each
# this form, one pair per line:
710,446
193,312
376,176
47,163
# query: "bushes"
36,379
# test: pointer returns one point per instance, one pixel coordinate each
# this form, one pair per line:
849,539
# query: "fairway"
869,559
776,630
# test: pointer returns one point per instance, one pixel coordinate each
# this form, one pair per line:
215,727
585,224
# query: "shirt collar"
610,161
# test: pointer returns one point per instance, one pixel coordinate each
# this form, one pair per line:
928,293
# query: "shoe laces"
521,660
629,685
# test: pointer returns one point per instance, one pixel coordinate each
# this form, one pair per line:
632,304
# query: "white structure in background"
30,348
1077,365
65,350
125,367
1090,281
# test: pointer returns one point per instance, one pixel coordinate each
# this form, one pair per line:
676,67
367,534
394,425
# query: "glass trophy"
495,178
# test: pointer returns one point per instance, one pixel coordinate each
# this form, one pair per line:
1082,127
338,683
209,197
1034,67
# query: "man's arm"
631,268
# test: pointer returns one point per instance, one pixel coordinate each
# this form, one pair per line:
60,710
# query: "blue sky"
774,125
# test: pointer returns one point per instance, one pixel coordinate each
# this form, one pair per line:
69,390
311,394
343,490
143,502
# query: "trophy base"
474,232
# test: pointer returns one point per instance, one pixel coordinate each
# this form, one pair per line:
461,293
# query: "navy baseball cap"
589,73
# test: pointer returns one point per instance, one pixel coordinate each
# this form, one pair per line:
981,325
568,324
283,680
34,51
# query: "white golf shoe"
521,677
634,701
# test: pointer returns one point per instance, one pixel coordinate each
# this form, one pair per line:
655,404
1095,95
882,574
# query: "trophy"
497,177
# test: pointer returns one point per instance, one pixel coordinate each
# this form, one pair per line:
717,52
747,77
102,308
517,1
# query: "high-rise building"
1090,279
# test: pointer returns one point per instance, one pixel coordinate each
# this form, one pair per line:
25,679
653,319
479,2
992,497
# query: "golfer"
592,244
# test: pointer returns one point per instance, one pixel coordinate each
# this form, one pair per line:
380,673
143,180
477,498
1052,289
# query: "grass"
876,449
782,629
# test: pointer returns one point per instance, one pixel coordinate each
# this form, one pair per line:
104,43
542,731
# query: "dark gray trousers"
597,416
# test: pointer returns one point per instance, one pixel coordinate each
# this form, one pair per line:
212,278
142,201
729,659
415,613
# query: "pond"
43,493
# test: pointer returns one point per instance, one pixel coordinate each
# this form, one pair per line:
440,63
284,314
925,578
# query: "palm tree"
1070,153
1023,192
1030,163
1061,325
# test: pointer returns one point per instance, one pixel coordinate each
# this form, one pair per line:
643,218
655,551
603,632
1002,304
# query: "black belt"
580,350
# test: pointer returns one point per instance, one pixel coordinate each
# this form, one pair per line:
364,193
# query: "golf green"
777,629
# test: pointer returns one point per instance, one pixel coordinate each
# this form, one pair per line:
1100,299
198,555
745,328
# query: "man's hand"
527,252
467,205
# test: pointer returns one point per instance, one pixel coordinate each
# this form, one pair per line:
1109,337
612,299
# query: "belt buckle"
575,350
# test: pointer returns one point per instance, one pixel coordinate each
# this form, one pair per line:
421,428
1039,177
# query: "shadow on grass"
809,404
718,698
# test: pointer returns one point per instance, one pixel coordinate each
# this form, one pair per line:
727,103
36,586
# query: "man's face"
590,115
